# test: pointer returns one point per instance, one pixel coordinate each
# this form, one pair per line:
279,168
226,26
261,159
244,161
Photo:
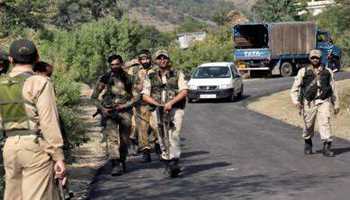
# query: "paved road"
232,153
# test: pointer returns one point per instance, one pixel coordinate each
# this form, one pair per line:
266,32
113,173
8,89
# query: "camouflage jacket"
115,90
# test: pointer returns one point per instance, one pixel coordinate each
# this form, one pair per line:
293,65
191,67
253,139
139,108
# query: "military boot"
146,156
118,167
173,168
157,149
308,147
327,149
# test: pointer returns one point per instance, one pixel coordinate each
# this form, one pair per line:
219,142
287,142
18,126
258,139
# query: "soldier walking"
143,110
314,93
33,154
116,110
165,89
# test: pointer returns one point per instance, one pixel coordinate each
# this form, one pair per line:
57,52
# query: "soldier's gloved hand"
60,169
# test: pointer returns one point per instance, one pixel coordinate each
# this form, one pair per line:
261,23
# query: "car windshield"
212,72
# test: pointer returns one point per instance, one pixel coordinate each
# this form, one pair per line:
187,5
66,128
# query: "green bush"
218,46
82,53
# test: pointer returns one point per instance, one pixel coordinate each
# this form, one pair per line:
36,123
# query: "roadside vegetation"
76,35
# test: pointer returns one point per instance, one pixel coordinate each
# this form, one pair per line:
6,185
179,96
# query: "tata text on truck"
281,48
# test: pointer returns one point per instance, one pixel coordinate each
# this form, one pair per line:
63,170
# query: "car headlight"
225,86
193,87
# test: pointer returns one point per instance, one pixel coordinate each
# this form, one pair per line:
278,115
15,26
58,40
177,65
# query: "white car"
220,80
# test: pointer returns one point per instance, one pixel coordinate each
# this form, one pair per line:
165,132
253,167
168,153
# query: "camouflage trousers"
323,114
145,128
117,133
173,150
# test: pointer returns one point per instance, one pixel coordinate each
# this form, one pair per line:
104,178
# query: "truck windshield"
250,36
212,72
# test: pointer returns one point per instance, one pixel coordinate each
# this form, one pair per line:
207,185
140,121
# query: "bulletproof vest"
119,89
309,87
171,87
13,116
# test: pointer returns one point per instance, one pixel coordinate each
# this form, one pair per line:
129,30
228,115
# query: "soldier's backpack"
13,116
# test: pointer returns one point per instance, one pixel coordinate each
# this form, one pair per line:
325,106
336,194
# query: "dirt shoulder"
89,157
279,106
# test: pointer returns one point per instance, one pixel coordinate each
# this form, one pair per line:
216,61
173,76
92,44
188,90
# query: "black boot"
146,156
157,149
174,168
308,147
118,168
327,149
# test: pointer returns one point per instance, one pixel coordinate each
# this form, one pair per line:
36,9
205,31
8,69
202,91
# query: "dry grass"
280,107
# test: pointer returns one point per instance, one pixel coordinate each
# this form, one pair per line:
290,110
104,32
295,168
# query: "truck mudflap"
252,54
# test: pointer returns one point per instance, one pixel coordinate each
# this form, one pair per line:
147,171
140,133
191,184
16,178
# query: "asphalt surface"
230,153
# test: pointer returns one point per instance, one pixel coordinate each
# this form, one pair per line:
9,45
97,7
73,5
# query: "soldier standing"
166,88
32,153
143,111
314,92
116,109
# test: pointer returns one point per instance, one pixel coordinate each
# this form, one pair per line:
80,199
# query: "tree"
278,10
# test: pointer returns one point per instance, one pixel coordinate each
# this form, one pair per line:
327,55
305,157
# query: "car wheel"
190,100
240,94
233,97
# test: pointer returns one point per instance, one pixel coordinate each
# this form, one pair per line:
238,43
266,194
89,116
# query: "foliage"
338,26
216,47
278,10
191,25
68,93
16,15
203,9
81,53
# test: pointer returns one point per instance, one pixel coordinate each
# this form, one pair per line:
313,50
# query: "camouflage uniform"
314,89
173,82
143,112
118,92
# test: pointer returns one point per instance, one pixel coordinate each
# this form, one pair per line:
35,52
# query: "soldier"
143,113
116,109
32,153
314,92
4,62
166,88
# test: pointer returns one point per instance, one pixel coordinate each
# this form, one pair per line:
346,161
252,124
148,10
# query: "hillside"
166,15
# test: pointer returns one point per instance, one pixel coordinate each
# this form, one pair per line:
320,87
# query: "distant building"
316,7
186,39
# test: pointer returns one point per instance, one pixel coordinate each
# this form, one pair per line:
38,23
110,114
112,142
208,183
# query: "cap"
144,53
162,53
315,53
23,51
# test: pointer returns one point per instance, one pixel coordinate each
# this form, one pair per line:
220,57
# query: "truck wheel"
287,69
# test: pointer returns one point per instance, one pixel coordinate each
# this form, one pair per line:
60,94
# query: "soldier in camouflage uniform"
167,88
143,113
116,109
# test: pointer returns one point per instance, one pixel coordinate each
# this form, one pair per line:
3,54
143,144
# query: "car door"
237,80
